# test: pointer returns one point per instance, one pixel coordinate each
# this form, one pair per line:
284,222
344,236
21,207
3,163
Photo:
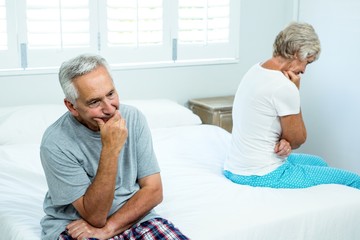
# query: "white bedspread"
205,205
197,198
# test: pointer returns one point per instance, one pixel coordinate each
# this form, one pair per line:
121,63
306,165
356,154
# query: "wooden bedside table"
214,110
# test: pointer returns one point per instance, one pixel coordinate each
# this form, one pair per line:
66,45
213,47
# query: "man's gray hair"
76,67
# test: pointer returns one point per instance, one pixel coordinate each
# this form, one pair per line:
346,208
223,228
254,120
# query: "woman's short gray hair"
297,39
76,67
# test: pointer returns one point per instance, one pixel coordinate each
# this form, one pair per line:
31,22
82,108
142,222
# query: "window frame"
169,54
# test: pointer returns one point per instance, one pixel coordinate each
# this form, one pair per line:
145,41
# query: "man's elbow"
96,221
99,224
159,195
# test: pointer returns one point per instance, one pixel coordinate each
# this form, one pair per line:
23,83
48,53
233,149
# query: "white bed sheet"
205,205
22,191
197,198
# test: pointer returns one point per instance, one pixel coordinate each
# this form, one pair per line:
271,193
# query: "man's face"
97,98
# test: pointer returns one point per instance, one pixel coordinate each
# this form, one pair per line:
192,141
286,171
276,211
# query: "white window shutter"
134,22
57,30
204,29
133,31
57,24
204,21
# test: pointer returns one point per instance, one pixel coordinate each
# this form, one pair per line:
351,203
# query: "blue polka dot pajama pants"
299,171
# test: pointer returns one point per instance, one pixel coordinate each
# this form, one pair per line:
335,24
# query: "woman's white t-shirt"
262,97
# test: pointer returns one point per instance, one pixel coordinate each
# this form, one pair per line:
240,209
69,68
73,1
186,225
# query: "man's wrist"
109,230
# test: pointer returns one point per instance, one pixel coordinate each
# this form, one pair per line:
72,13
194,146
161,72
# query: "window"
56,30
207,29
123,31
135,30
57,24
203,21
134,23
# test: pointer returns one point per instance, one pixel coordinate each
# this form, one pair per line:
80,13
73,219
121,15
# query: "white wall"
260,22
330,89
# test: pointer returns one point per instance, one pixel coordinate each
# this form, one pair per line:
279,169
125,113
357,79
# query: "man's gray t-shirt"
70,153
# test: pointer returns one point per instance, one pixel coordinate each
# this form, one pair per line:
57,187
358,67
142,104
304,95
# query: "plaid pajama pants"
299,171
153,229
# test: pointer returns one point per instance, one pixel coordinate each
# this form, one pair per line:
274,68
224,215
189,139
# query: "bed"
197,198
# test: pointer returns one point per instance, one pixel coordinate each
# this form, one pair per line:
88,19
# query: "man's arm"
149,196
95,204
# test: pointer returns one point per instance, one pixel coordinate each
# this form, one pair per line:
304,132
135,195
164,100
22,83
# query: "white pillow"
162,113
24,156
26,124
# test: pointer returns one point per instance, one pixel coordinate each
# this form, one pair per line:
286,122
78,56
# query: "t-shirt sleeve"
287,99
146,157
67,180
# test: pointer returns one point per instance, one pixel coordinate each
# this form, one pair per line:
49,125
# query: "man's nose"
107,107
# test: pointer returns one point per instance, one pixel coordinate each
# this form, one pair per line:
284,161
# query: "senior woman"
268,124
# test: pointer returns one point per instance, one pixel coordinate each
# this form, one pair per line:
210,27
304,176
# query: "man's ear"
71,107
